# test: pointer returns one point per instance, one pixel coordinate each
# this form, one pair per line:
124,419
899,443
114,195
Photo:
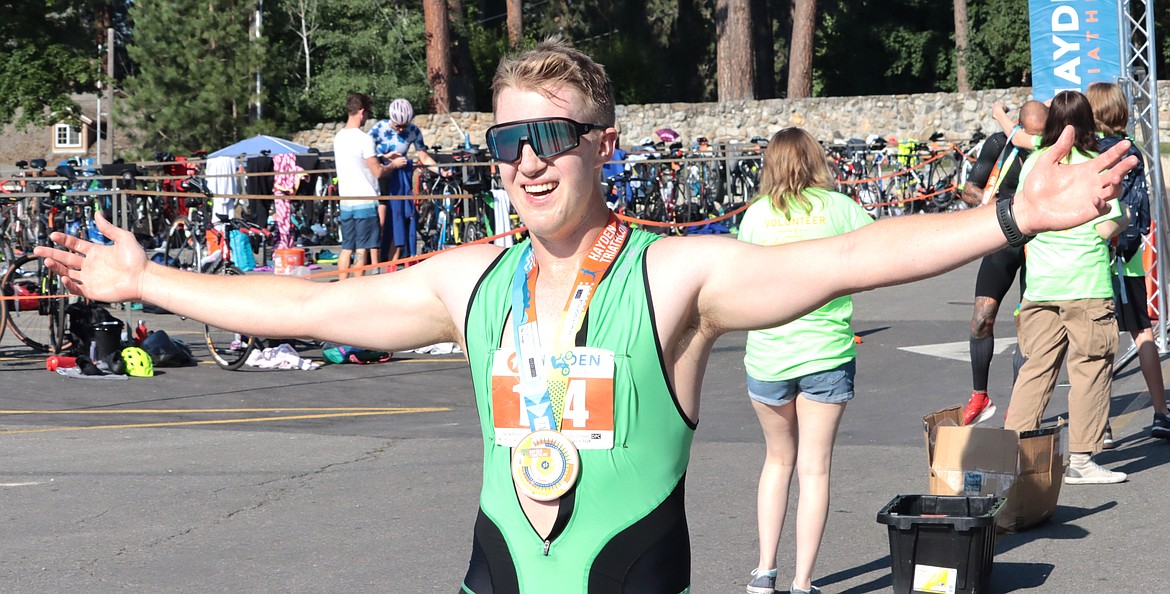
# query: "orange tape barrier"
896,173
914,199
23,297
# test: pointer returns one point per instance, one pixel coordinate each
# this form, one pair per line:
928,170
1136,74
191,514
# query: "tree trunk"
804,16
961,46
765,55
462,90
515,24
438,42
733,49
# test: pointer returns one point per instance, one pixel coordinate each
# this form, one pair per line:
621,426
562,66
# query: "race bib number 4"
588,416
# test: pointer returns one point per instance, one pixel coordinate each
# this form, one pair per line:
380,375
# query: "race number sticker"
588,416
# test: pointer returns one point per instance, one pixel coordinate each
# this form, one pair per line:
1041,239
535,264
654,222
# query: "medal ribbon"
1006,158
544,382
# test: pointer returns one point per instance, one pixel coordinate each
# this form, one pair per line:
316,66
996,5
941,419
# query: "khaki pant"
1086,331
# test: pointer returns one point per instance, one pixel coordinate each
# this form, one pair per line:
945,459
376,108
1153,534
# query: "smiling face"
559,196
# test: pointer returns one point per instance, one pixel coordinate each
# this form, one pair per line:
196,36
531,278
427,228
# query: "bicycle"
743,181
447,222
36,302
230,350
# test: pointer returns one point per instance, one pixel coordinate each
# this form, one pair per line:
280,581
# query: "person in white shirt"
358,170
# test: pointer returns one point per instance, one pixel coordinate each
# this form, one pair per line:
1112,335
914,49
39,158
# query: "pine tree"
197,68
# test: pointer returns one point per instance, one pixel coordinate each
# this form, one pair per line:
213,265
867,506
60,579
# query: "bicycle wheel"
181,245
940,184
229,349
428,226
652,208
686,208
35,320
869,194
473,230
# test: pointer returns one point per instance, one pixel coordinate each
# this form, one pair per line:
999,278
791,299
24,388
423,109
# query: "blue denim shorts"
834,386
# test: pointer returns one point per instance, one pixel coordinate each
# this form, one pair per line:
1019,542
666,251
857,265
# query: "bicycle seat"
22,164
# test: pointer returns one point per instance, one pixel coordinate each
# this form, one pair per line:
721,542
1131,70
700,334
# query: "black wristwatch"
1007,223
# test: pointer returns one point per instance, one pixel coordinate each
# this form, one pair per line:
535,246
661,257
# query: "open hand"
109,273
1061,196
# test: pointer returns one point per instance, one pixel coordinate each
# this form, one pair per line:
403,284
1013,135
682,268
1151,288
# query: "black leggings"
997,272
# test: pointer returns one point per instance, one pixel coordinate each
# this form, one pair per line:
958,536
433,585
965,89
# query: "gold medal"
545,465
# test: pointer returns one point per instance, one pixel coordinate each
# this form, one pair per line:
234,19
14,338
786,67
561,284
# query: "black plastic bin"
941,543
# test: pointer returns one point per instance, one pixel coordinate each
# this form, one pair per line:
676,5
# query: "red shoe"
979,408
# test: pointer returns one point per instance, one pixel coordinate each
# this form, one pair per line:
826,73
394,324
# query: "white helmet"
400,112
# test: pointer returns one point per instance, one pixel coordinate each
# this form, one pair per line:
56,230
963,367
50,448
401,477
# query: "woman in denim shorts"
800,375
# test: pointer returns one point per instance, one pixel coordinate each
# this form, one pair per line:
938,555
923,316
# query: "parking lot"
364,478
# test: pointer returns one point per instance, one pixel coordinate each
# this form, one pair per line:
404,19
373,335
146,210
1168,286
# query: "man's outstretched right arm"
406,309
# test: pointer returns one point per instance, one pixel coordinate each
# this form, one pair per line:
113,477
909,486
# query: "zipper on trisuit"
547,545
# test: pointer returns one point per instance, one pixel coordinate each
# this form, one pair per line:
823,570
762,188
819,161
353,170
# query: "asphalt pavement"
364,478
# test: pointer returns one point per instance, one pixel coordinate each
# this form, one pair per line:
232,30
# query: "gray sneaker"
1082,470
811,590
762,583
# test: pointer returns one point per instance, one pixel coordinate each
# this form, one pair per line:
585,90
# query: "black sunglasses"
548,137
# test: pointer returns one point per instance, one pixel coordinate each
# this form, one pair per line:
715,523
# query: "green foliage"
907,46
487,46
197,67
1001,51
363,46
46,54
191,79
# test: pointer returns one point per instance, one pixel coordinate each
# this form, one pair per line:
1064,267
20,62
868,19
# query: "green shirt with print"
823,339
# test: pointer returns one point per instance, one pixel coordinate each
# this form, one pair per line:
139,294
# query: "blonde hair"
793,162
1110,109
554,64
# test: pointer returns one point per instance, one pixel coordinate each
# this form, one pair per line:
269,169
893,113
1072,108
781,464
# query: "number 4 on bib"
588,416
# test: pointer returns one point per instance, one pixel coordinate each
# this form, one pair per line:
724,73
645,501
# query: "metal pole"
99,126
1140,81
110,90
259,87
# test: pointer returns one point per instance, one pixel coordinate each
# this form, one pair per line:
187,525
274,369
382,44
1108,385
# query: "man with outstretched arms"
587,343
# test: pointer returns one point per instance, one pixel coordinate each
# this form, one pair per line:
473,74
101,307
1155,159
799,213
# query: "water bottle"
56,362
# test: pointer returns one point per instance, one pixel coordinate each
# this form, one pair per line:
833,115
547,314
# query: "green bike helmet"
138,363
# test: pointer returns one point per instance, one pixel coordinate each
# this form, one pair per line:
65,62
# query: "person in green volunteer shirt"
1067,310
800,375
1111,113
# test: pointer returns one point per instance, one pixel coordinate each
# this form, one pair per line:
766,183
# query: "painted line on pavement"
336,413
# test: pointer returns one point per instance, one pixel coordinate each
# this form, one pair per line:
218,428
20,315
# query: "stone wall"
957,115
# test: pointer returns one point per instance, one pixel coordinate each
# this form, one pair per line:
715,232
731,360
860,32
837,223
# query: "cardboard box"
1027,469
